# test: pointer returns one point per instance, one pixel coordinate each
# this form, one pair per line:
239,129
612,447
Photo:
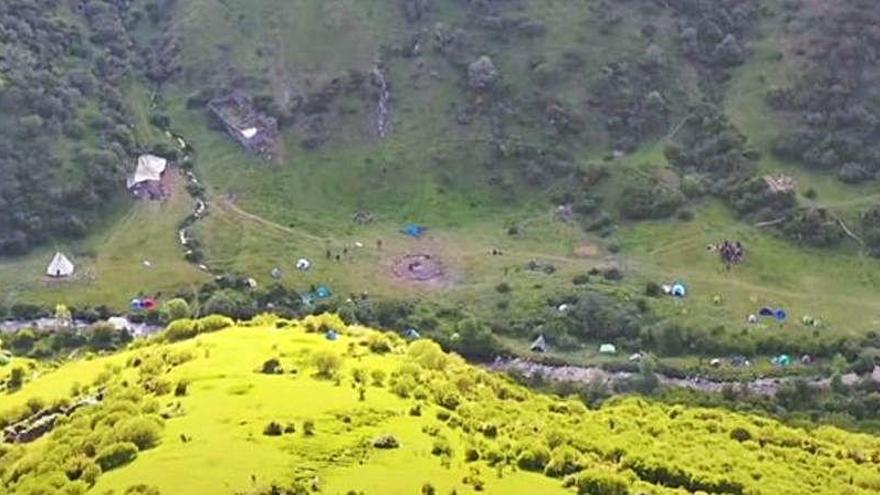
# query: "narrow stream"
592,374
383,109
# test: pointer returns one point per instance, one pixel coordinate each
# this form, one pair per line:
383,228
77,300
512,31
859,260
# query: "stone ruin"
779,183
254,131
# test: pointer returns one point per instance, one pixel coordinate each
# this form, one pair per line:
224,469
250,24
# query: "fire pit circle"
419,267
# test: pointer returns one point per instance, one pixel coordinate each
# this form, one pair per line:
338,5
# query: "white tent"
303,264
149,168
249,133
60,266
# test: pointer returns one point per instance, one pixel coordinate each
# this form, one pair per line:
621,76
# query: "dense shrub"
213,323
115,455
645,199
181,330
378,343
327,362
143,432
181,388
273,429
564,461
534,457
386,442
308,427
601,482
441,448
175,309
142,489
271,366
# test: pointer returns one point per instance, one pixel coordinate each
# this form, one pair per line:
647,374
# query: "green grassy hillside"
650,123
274,402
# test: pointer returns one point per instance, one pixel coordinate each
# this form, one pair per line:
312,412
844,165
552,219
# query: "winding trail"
230,207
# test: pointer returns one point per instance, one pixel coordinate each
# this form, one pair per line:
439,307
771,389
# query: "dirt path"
228,206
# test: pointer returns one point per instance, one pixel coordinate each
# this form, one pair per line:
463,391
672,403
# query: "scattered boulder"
530,28
729,52
443,36
482,74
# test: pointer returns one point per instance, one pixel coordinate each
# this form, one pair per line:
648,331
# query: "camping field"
430,170
452,426
110,267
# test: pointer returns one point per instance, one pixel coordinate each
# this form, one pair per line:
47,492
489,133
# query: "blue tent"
781,360
766,312
678,290
135,304
413,230
323,292
780,315
412,334
331,335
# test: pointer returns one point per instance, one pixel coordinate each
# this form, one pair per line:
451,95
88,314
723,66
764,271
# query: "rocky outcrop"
42,422
482,74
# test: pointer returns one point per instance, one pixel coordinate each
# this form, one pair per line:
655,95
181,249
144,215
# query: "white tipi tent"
60,266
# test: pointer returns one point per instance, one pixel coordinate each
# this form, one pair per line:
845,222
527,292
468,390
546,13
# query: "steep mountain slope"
278,403
68,130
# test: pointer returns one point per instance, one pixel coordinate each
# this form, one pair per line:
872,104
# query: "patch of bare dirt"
588,250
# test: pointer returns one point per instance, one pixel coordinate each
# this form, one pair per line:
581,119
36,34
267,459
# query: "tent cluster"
60,266
675,289
777,314
143,304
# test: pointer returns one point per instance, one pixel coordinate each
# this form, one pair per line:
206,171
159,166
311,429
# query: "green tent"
781,360
607,349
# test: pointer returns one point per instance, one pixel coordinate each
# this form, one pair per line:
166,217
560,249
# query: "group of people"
731,252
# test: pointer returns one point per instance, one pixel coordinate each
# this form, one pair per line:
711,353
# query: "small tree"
16,378
63,316
328,363
175,309
272,429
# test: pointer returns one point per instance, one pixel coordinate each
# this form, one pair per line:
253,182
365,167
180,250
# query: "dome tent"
678,290
607,349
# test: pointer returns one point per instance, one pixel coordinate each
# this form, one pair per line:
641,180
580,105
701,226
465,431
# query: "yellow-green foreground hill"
368,413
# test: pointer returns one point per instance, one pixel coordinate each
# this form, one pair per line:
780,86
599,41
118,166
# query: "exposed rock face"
482,74
42,422
414,10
